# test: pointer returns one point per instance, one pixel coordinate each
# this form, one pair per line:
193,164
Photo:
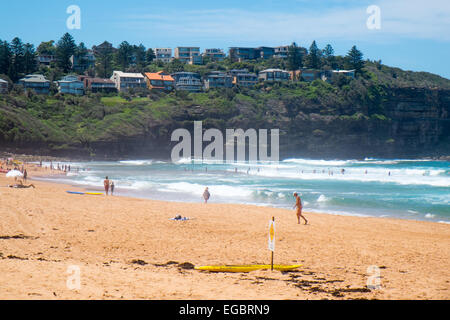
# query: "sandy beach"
127,248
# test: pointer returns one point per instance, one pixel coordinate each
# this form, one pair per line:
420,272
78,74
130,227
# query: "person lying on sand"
298,205
20,185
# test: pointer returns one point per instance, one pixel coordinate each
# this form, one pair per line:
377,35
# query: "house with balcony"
309,75
125,81
45,59
3,86
281,52
265,52
81,64
71,85
347,73
244,53
218,79
214,54
196,60
274,75
163,54
327,75
243,78
234,72
36,82
189,55
189,81
160,81
95,85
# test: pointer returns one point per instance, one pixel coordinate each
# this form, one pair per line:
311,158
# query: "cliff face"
420,120
406,122
416,124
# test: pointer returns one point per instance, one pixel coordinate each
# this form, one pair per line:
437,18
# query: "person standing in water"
206,195
298,205
112,187
106,185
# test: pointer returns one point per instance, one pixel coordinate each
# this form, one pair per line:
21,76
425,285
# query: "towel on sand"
180,218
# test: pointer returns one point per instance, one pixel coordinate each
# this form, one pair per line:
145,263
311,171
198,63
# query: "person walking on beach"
206,195
112,187
25,175
298,205
106,185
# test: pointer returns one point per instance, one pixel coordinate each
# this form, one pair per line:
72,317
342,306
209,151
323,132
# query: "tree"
294,57
47,48
150,55
140,55
328,51
174,66
104,58
65,48
17,66
314,56
328,55
5,57
355,59
124,55
30,63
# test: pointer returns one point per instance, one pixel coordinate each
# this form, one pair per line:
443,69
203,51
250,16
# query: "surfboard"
94,193
74,192
247,268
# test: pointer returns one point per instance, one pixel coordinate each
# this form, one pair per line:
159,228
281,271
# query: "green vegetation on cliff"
385,111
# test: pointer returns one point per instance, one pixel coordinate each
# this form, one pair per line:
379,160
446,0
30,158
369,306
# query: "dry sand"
128,248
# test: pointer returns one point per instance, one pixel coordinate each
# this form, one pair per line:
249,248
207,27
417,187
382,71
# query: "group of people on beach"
108,185
59,167
7,165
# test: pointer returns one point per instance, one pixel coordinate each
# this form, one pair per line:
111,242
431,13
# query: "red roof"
159,76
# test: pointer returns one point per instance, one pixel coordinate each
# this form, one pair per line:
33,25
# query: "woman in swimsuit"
298,205
106,185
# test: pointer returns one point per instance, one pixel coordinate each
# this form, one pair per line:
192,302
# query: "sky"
412,34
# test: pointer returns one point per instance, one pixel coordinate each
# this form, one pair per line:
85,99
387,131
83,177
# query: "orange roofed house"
160,80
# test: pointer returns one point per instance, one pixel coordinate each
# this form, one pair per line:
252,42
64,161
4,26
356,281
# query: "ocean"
405,189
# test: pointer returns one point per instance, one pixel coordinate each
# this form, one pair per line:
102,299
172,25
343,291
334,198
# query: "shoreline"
87,188
128,248
36,158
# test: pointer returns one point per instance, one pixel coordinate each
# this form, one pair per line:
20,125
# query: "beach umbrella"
14,174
